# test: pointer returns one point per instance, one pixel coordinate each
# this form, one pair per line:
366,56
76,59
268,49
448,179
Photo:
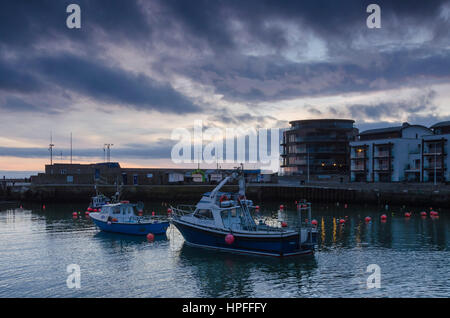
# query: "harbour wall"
392,194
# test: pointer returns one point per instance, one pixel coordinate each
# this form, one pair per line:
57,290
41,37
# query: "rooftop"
305,121
441,124
389,129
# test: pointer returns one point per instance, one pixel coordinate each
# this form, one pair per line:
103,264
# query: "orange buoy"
229,239
314,222
368,219
150,236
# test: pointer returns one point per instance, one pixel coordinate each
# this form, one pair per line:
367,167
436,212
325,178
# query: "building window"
69,179
63,171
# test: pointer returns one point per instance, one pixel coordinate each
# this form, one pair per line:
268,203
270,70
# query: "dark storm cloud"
14,79
23,23
246,78
203,42
406,108
339,24
244,119
328,19
111,84
15,104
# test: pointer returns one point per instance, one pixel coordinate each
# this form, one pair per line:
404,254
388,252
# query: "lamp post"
435,161
307,159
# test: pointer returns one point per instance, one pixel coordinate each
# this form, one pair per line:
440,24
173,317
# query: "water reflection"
36,245
222,274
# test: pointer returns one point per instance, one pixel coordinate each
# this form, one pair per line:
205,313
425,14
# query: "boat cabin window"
106,209
204,214
127,209
115,210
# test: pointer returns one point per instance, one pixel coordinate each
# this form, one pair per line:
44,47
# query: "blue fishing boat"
223,221
121,218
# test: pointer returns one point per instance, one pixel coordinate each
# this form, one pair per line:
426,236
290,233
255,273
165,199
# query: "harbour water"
37,245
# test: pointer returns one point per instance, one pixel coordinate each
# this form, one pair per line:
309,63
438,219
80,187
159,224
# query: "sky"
136,70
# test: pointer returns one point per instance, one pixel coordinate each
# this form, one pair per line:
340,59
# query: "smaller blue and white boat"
121,218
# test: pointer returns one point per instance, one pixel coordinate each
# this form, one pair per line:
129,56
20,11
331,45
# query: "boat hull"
132,229
262,244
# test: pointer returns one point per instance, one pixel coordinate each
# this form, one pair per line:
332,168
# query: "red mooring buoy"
283,224
383,216
368,219
150,236
314,222
229,239
407,214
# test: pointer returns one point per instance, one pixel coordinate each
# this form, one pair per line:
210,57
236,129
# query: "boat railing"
186,207
140,219
181,210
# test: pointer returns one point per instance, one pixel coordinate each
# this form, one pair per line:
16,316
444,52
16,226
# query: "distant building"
435,160
111,173
317,149
389,154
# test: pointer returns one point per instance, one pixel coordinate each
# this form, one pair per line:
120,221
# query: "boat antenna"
70,147
50,148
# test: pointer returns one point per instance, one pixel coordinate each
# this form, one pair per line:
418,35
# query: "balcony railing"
382,167
358,155
382,154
